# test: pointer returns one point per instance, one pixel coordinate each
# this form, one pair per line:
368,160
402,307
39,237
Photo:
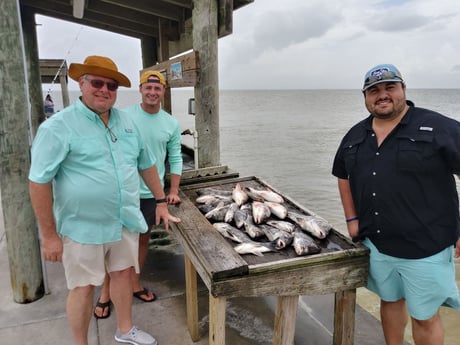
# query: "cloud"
288,26
396,21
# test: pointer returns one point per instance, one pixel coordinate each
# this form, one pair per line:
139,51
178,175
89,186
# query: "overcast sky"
302,44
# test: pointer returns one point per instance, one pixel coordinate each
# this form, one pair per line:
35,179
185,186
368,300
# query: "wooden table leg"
344,317
191,294
285,319
217,308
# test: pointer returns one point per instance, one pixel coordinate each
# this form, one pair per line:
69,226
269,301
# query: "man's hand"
52,248
173,198
162,214
353,228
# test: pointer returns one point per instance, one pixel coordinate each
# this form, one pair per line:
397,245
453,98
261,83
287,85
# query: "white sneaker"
135,336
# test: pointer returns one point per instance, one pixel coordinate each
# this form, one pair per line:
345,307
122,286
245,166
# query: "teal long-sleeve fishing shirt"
95,172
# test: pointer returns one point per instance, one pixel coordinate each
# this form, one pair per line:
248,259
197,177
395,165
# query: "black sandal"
103,306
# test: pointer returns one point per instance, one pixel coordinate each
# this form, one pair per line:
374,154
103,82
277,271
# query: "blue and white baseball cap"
385,73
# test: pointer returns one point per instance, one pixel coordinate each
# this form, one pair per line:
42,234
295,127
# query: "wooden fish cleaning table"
226,274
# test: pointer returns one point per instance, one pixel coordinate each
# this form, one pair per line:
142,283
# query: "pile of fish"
250,217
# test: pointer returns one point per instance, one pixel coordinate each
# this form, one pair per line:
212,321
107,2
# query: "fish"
217,214
256,248
253,195
203,199
267,194
239,195
246,245
214,191
277,209
231,232
206,207
315,225
242,214
252,229
231,212
282,225
281,238
260,212
304,244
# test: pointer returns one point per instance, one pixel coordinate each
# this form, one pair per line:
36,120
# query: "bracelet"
351,219
160,201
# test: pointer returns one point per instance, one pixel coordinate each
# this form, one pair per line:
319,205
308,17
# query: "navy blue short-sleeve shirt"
404,191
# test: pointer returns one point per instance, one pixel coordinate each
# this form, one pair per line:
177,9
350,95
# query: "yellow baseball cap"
156,77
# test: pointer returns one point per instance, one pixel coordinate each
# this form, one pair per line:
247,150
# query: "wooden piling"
19,221
205,35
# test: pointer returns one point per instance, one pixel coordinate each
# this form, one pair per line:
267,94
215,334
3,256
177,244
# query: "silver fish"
267,194
304,244
214,191
281,238
242,214
252,229
282,225
206,207
256,248
231,232
203,199
233,207
217,214
277,209
246,245
253,195
260,212
239,195
314,225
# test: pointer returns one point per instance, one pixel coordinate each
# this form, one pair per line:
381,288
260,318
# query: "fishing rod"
64,60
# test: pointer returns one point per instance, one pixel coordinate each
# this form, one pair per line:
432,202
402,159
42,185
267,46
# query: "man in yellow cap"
84,188
161,134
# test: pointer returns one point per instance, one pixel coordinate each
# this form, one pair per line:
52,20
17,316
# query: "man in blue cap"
396,180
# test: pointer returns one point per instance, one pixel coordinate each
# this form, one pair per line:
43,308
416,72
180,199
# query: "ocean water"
289,138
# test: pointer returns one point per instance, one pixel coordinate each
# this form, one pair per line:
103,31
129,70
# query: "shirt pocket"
350,152
414,150
130,148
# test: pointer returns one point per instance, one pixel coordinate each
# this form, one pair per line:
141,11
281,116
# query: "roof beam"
157,8
103,22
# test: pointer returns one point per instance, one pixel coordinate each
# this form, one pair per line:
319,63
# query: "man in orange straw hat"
84,188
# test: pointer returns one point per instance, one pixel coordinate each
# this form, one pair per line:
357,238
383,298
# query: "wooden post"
163,49
344,317
149,51
33,68
20,227
204,17
191,295
285,319
217,309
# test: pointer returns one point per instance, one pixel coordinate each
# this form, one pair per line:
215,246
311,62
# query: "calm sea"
289,137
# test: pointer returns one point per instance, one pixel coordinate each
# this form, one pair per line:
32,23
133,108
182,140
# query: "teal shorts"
425,284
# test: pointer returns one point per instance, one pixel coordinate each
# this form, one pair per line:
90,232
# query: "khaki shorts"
86,264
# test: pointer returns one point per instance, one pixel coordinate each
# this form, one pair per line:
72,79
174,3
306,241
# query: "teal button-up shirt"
94,172
161,134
